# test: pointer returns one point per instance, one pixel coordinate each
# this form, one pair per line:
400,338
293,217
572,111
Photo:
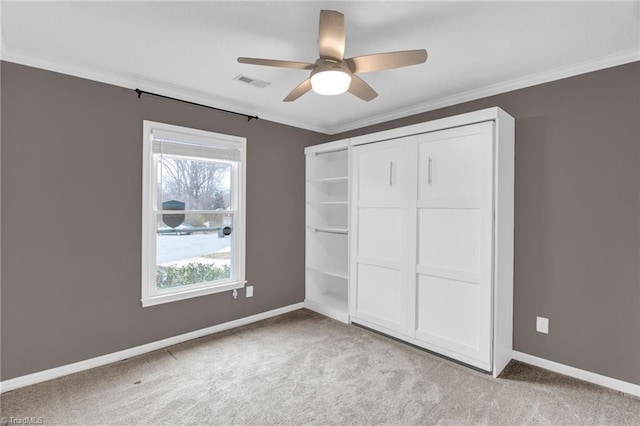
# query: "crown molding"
596,64
133,82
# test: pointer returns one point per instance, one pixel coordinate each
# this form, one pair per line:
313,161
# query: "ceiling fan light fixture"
332,73
330,82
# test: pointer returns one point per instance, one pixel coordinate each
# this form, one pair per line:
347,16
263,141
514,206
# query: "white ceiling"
189,50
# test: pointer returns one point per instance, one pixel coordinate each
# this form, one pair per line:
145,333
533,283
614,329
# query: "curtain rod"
249,117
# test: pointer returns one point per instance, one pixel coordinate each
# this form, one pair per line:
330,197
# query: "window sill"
159,299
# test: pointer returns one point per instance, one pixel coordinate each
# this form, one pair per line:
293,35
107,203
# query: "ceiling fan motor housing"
329,65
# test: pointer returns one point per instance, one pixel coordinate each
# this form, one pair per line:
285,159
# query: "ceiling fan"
332,73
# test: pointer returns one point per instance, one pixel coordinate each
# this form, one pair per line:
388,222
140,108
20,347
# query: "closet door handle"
391,173
429,171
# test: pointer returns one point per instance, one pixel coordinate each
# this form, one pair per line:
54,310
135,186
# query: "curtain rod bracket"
249,117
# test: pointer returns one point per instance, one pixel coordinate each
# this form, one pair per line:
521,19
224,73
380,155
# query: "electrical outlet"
542,325
249,291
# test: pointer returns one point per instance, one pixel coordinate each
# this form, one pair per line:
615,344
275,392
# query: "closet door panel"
379,220
379,235
450,169
454,247
449,313
380,296
381,175
450,239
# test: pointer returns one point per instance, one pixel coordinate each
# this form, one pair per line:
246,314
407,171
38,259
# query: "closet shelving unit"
327,218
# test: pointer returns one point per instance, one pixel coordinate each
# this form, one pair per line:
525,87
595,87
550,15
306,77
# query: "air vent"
251,81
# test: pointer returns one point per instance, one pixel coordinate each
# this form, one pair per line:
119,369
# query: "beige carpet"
303,368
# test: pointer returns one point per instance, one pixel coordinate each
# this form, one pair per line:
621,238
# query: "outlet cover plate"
542,325
249,291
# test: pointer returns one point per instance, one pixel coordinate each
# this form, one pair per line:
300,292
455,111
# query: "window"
192,213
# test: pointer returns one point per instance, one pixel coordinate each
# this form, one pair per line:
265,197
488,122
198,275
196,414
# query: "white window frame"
151,295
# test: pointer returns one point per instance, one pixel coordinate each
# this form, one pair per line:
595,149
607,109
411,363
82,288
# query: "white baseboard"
42,376
577,373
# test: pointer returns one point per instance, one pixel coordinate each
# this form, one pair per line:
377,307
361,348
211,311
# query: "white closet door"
382,173
378,231
454,214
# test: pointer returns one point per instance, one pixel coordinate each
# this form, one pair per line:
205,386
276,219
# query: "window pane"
193,184
193,248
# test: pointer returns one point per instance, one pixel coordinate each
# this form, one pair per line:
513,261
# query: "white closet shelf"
330,305
327,272
326,230
344,203
331,300
329,179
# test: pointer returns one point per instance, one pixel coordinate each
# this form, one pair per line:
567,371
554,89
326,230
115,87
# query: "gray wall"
577,217
71,220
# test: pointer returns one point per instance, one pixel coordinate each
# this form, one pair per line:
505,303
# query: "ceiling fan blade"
361,89
331,35
276,63
302,88
386,61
